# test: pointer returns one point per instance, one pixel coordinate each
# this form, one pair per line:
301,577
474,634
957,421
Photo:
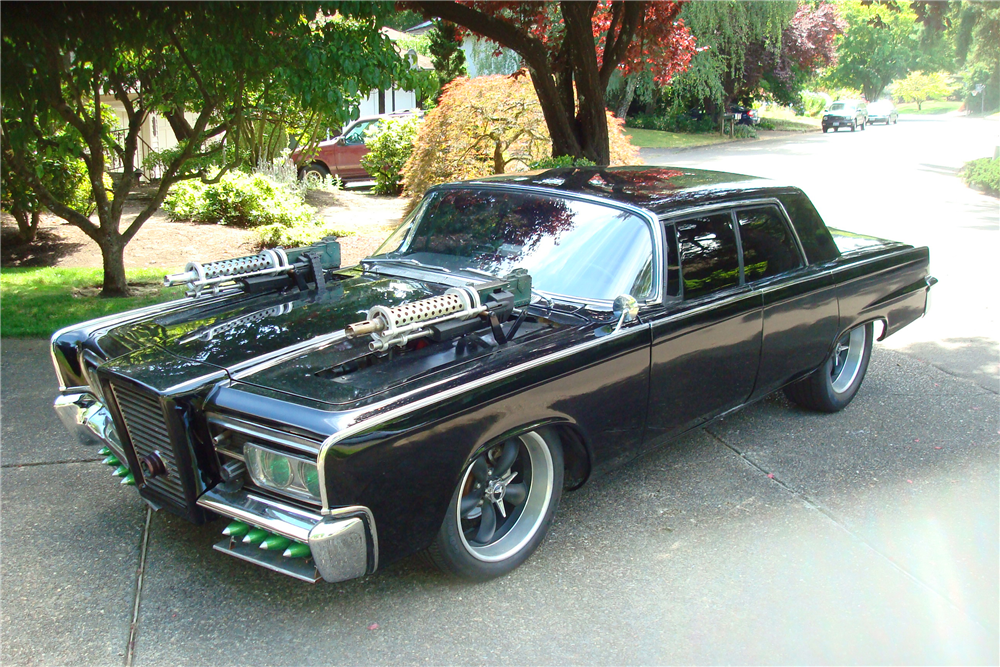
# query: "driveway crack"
140,575
814,504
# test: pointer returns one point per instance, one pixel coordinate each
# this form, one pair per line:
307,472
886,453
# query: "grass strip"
658,139
929,108
35,302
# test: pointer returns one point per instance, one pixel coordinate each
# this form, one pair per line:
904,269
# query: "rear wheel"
835,383
502,507
854,125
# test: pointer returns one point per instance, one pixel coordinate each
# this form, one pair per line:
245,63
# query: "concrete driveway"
775,536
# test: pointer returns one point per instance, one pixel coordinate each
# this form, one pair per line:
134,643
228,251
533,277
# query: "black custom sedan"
514,337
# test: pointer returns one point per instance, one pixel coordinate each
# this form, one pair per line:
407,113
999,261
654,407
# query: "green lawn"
657,139
930,108
794,124
35,302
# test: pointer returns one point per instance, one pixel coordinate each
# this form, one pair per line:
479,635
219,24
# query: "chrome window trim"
359,426
266,433
682,214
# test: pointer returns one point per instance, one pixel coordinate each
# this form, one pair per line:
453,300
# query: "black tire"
825,130
863,123
313,171
466,544
854,125
835,383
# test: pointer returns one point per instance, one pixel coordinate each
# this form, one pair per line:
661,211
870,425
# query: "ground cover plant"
983,173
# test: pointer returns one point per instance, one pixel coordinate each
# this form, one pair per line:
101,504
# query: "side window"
357,134
709,257
768,246
815,237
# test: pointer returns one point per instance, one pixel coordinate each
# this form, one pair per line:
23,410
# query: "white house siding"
395,100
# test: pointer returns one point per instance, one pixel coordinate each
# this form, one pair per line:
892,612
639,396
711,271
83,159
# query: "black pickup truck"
514,336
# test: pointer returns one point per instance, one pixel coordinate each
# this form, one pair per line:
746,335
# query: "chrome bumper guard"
88,419
344,545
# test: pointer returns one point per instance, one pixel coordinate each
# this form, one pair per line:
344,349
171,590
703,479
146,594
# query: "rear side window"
768,246
813,234
709,257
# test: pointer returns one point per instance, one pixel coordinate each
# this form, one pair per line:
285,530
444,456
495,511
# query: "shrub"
766,124
675,121
390,143
488,125
744,132
561,161
277,234
983,173
814,103
239,199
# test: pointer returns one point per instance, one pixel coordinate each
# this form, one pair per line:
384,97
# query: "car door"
350,149
800,312
706,341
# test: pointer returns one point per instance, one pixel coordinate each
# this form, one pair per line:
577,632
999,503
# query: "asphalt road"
775,536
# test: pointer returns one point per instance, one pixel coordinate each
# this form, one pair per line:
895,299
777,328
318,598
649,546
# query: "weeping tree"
220,63
731,30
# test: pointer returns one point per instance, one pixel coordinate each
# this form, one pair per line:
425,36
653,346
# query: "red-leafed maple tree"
571,49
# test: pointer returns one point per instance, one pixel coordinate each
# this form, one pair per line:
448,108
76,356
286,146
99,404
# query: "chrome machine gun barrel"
400,324
460,310
270,269
211,276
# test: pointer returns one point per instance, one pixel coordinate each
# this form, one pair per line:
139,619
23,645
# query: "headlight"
280,472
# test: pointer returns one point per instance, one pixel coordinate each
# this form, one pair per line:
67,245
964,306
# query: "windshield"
571,248
840,106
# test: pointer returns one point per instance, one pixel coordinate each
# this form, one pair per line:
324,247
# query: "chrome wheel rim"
312,177
847,359
505,495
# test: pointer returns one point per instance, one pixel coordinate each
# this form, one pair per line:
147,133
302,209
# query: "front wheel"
502,507
835,383
863,126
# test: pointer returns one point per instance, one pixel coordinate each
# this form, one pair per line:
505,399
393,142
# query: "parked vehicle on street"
744,115
514,337
845,113
883,111
341,156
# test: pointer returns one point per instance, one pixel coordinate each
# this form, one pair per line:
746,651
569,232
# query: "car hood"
293,344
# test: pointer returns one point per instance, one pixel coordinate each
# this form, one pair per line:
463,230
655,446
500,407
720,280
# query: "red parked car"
341,156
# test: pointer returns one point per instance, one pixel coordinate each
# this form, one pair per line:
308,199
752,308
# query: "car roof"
658,189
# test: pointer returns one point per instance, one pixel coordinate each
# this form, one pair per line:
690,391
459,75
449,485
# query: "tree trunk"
27,227
113,257
630,85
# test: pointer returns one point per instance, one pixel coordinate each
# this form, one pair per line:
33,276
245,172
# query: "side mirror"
625,309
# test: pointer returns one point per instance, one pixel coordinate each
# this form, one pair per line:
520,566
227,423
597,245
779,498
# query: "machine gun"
270,270
460,310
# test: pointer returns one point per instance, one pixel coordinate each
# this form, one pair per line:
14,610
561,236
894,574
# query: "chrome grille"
147,429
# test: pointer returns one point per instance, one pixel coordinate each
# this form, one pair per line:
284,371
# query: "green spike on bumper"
297,550
236,529
112,461
104,451
275,543
128,480
120,471
256,536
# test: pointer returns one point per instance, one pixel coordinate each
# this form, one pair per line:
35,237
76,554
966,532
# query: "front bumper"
343,545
